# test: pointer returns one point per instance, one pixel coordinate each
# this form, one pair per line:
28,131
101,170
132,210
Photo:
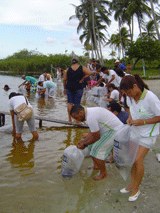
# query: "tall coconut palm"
89,14
115,42
149,30
82,13
112,54
120,41
139,8
155,17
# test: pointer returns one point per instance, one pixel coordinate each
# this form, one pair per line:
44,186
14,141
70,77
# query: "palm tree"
91,14
113,54
120,41
155,17
122,15
139,8
115,42
82,13
149,30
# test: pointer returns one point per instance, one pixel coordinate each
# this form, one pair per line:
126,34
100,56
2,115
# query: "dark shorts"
74,97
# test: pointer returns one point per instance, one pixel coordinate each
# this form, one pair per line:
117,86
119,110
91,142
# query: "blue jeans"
74,97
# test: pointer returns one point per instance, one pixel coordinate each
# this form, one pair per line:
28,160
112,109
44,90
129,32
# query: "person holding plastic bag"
103,125
144,108
125,148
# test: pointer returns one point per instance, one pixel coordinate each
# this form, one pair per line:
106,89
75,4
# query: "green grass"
150,73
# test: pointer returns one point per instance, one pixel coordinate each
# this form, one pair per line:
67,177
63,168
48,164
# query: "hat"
117,61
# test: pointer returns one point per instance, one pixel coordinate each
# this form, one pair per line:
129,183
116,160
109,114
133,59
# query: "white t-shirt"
42,78
117,79
101,119
114,95
147,107
15,101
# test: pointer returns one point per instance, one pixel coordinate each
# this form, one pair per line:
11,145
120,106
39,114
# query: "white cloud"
52,16
43,13
50,40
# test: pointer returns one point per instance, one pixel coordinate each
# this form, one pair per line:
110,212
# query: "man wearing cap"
119,65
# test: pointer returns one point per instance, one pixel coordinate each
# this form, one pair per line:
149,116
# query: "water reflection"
22,155
73,134
59,90
41,103
44,104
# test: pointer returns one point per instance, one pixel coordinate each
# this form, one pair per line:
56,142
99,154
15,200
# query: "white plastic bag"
125,150
72,160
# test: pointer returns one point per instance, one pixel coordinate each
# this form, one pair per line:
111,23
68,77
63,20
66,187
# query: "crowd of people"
129,100
120,98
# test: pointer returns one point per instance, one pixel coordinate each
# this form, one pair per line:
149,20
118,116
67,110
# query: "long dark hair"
128,81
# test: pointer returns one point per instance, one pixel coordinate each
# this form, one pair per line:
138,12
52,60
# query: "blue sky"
41,25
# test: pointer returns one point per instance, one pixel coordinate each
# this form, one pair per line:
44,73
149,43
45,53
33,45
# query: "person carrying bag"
23,111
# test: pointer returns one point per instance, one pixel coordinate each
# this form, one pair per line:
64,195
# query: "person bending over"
103,125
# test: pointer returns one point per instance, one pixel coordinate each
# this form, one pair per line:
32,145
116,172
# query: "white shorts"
147,142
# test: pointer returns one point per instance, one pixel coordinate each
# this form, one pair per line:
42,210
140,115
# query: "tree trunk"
143,62
100,49
119,25
132,28
154,19
94,32
135,62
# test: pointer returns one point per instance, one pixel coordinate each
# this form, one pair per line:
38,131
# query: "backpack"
23,111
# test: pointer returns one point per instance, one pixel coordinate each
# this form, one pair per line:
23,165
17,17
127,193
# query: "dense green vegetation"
30,63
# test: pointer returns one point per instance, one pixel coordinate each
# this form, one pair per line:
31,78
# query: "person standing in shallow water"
73,83
103,125
6,87
144,116
16,99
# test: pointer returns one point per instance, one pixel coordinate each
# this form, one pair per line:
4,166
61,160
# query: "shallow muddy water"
30,173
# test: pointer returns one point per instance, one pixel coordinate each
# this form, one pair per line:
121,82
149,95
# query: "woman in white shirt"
144,108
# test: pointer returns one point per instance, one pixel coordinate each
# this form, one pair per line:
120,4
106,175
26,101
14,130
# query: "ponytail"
128,81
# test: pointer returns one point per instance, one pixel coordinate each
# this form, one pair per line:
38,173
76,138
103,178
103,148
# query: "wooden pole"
2,119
